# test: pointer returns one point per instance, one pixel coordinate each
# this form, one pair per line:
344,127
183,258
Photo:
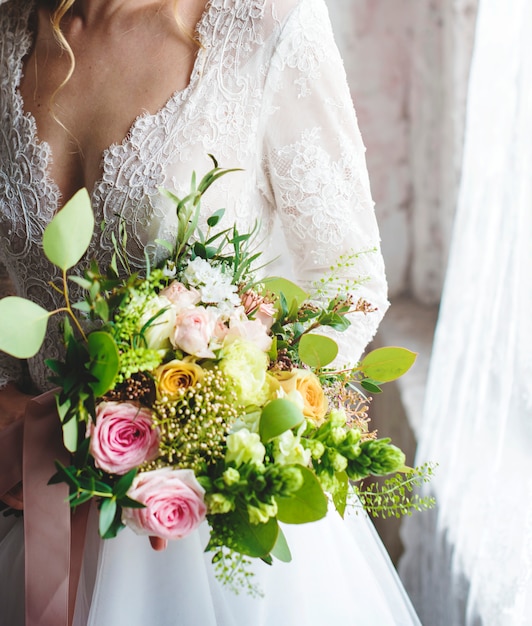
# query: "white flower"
288,449
244,447
158,333
294,396
214,286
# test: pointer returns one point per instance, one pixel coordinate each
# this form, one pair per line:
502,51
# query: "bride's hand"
12,408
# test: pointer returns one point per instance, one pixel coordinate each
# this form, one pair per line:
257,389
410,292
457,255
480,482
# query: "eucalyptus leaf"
387,364
277,417
68,235
316,351
70,435
281,550
340,495
215,217
104,363
307,504
290,290
23,326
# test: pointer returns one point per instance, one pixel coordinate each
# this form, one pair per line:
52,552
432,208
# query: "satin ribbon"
54,536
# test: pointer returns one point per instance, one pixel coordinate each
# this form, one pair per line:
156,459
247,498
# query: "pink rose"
123,437
173,502
180,296
194,330
266,314
253,331
261,309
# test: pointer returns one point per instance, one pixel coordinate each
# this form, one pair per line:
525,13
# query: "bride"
126,98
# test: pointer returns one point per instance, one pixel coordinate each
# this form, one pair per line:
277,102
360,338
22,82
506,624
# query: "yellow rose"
176,375
309,387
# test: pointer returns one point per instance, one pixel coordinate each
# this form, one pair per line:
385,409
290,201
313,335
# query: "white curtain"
470,561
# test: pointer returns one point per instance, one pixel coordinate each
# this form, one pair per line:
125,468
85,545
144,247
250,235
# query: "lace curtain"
470,562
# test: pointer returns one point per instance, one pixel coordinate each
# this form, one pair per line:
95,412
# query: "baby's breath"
194,425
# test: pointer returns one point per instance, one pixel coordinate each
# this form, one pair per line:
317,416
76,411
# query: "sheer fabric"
471,562
267,94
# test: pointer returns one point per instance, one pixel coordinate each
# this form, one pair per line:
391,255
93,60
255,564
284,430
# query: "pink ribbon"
53,536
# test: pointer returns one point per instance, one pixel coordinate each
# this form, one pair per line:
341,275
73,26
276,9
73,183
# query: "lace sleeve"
10,368
317,172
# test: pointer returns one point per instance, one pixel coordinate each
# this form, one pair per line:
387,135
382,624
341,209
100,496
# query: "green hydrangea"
245,364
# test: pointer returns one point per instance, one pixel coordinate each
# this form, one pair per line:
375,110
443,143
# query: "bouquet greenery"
194,391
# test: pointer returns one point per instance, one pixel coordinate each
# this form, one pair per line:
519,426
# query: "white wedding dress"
267,94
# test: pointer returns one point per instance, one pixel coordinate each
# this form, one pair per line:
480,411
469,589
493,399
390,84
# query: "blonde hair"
62,7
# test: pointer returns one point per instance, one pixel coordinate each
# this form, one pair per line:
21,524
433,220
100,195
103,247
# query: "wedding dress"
267,94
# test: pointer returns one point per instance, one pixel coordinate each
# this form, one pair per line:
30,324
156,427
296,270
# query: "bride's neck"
92,11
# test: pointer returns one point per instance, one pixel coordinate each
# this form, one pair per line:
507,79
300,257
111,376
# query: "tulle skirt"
340,574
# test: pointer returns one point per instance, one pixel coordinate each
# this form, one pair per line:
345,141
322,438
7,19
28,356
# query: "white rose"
159,331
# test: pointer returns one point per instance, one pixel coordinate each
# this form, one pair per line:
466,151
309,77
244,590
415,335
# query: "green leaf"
340,495
370,385
101,309
307,504
272,353
281,550
165,244
333,320
23,326
79,498
277,417
215,217
70,435
107,515
83,306
105,363
316,351
82,282
131,504
122,486
387,364
67,236
64,475
255,540
290,290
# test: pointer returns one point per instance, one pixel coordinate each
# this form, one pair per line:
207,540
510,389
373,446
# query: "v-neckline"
47,154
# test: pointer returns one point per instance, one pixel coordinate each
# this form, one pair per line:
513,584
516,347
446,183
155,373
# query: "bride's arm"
315,163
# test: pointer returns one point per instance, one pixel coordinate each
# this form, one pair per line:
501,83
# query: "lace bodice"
267,94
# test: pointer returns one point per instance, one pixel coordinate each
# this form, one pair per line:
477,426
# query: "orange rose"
308,385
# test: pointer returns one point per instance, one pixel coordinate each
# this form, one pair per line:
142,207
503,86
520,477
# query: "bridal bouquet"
196,391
